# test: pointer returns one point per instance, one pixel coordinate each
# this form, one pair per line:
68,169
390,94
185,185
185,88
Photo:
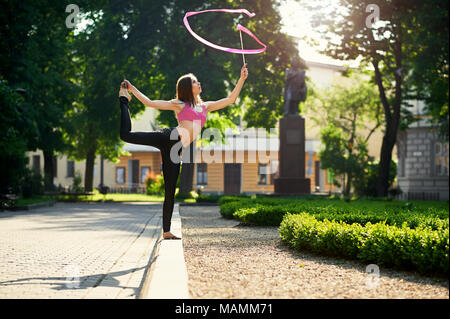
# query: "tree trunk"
392,118
48,170
348,184
385,161
89,170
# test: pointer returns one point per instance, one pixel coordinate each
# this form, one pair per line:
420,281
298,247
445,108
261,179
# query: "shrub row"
270,214
421,249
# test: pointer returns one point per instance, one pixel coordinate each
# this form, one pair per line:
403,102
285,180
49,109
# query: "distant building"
422,160
248,164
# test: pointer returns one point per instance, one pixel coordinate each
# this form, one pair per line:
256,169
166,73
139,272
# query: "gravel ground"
227,260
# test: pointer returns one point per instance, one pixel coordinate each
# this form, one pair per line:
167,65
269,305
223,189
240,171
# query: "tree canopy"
385,35
72,76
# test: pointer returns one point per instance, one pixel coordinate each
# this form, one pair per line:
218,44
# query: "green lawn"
33,200
97,197
113,197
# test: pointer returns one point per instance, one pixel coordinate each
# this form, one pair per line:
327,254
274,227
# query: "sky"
296,22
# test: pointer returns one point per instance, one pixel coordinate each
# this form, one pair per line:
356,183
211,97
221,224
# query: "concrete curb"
167,277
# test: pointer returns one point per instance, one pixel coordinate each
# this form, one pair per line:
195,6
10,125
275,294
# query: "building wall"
249,174
63,180
146,159
423,164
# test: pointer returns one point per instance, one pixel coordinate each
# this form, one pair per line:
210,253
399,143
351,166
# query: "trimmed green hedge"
209,198
421,249
410,235
273,215
270,212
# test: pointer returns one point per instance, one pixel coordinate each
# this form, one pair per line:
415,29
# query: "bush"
208,198
155,186
270,212
220,199
32,183
76,183
229,207
191,194
421,249
406,234
366,186
261,215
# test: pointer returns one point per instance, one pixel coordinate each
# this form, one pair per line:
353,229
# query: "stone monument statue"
295,87
291,171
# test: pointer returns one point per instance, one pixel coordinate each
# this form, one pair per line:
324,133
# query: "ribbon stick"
239,27
242,46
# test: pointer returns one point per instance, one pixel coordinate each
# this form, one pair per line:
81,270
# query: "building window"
441,159
37,162
120,175
70,168
309,164
262,174
273,170
145,173
202,174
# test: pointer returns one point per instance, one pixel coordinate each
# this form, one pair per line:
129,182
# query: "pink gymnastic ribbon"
239,27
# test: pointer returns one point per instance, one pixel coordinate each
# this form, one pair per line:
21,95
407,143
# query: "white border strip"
169,278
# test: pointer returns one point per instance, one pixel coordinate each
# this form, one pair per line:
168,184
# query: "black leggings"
161,140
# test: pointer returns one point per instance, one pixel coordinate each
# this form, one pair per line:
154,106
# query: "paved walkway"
80,250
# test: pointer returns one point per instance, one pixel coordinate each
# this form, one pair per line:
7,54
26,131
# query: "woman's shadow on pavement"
74,282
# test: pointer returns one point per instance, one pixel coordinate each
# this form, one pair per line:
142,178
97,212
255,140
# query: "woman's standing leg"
171,172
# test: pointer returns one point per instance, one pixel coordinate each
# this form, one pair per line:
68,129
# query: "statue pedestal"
291,180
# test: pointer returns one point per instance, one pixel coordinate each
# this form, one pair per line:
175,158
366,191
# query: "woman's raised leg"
155,139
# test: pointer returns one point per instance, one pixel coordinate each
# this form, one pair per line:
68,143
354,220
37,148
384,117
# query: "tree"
386,46
429,65
14,126
98,58
352,112
37,58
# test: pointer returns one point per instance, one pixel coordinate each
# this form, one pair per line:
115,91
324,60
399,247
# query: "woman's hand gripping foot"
124,90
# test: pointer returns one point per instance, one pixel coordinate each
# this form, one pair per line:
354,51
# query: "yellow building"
246,163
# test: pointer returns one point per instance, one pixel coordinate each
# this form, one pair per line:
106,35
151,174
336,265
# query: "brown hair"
184,89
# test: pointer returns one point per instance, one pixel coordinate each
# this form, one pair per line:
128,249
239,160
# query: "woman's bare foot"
124,92
169,235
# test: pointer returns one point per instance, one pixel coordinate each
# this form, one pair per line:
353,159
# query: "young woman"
190,123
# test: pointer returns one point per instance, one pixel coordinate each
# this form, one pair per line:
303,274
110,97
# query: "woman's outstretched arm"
157,104
220,104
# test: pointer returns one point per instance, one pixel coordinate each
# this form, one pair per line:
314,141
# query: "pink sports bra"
189,114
